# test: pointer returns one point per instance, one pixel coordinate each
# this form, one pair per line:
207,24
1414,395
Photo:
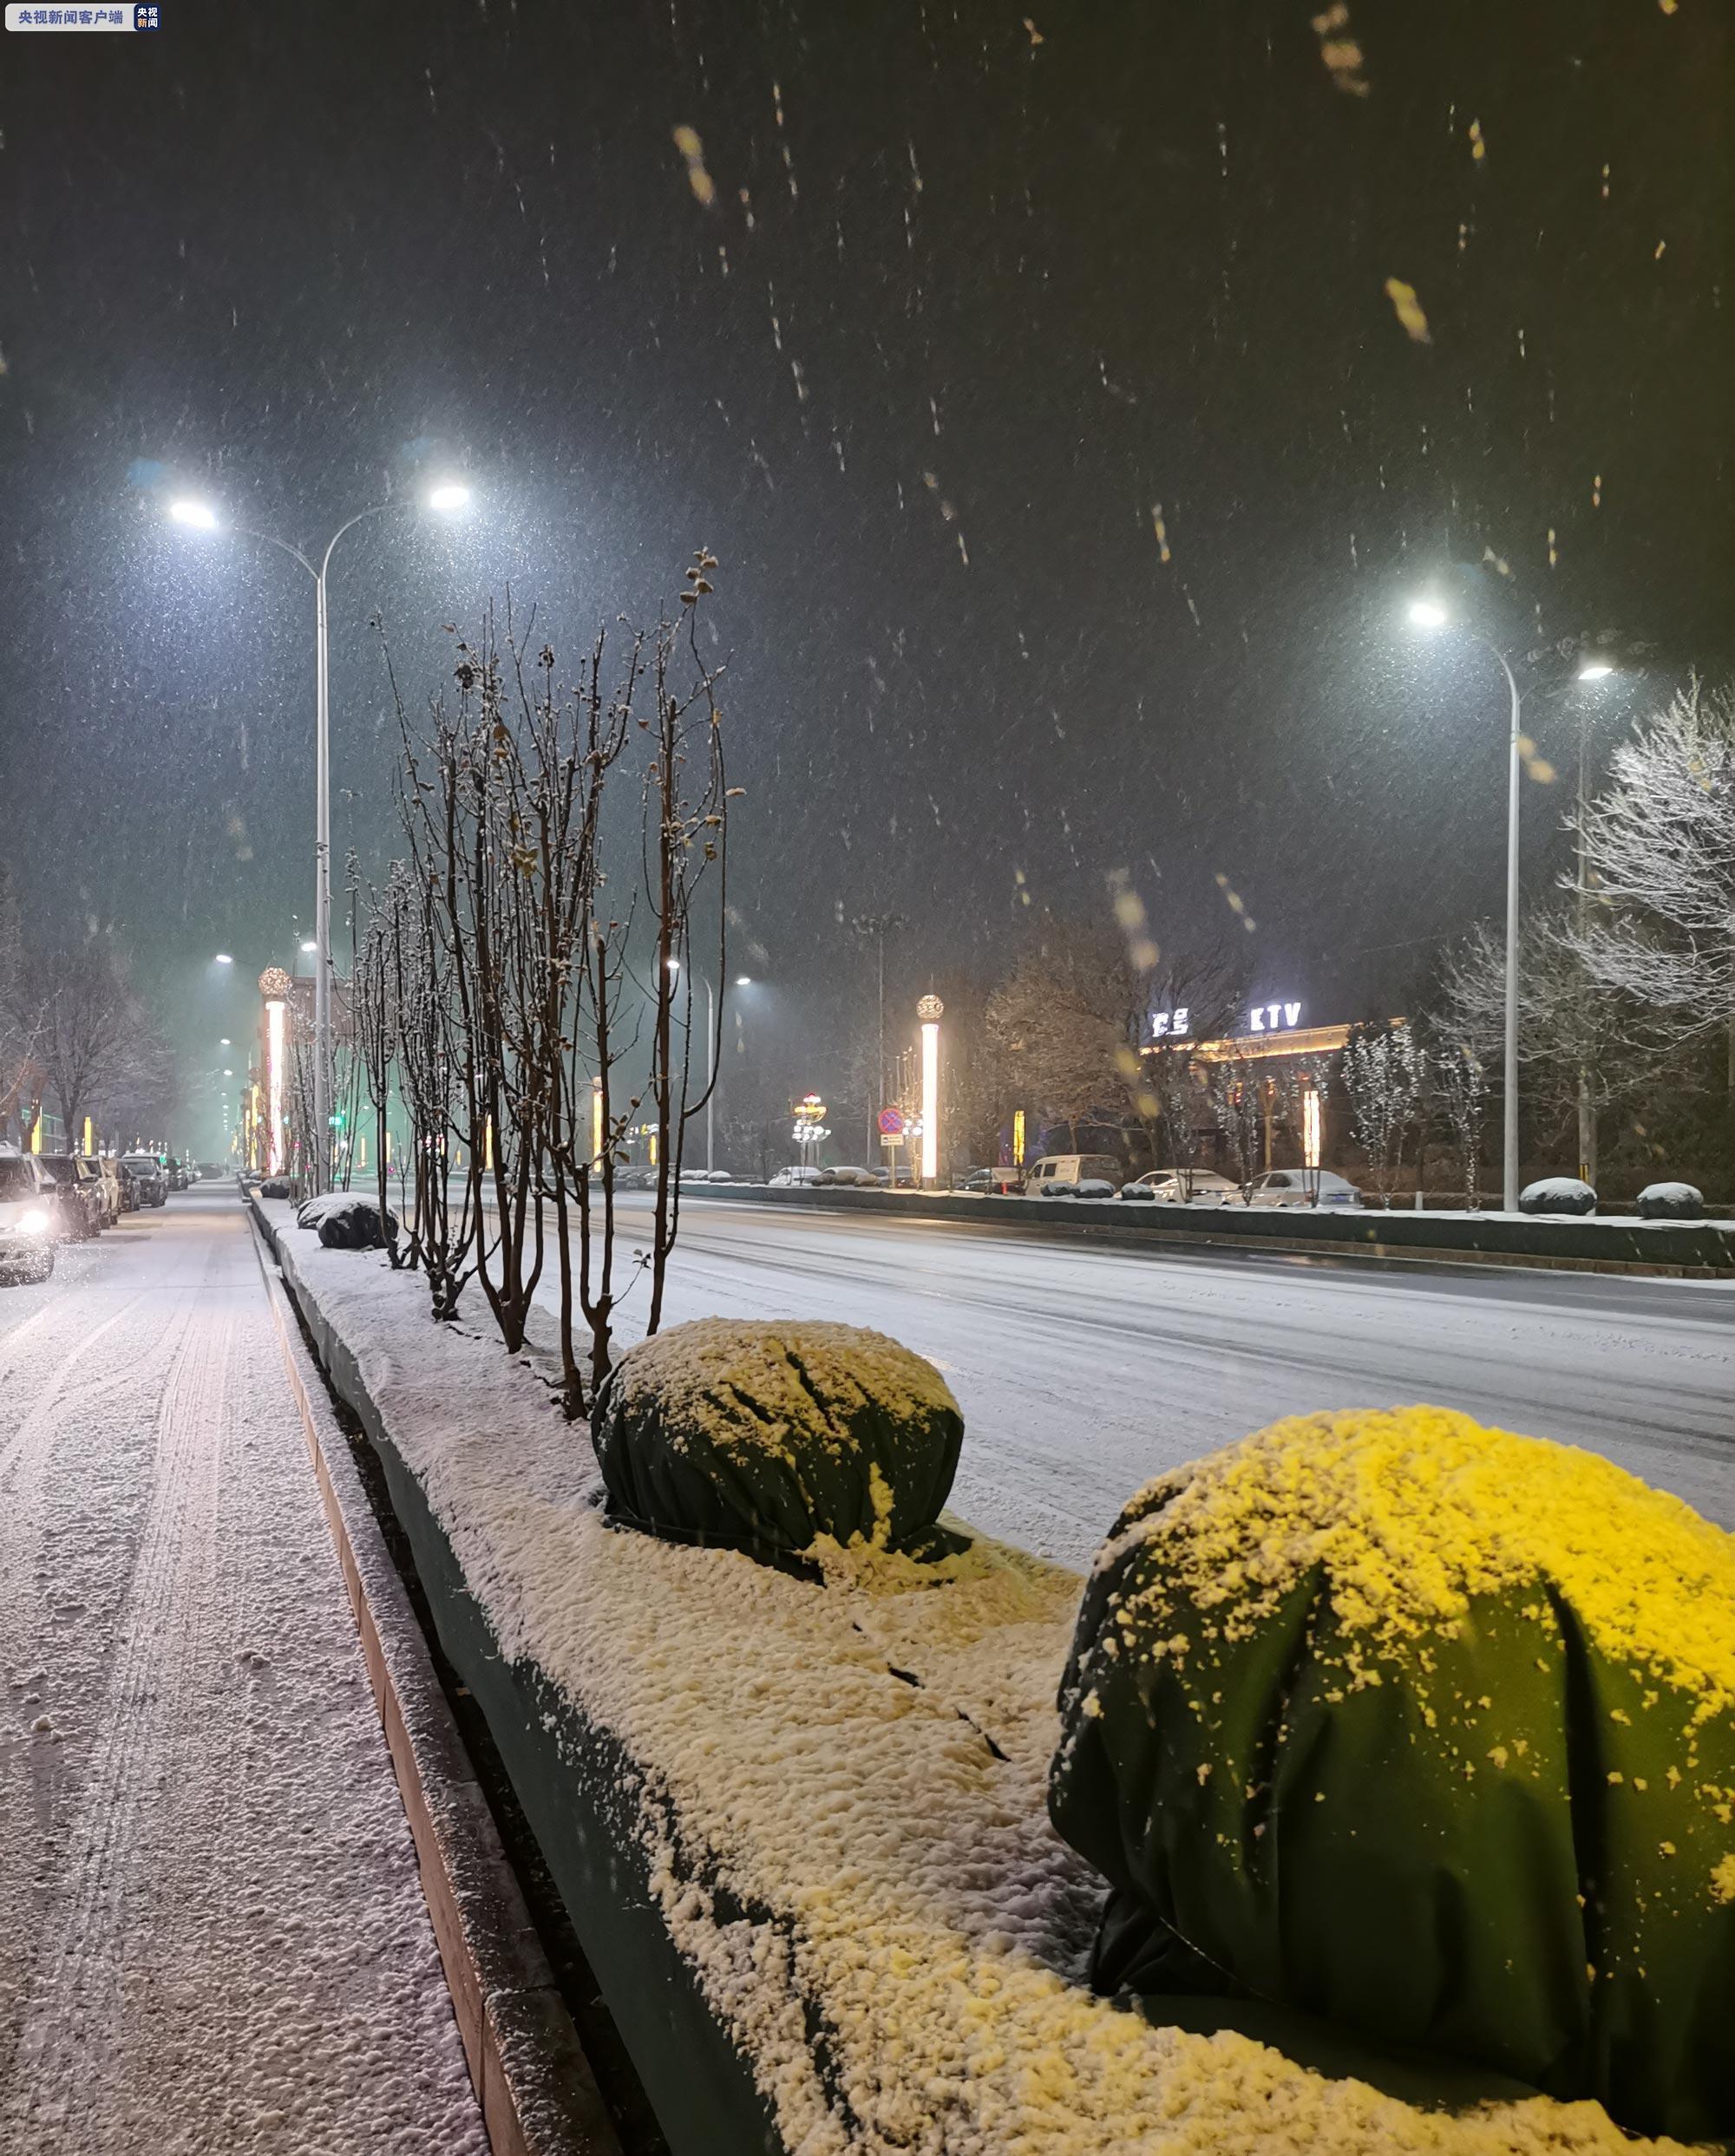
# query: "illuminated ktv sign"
1273,1017
1177,1024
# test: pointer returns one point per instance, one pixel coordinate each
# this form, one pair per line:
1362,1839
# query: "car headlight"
35,1222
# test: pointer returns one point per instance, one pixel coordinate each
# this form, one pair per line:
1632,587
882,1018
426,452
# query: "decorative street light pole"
928,1010
201,517
1429,614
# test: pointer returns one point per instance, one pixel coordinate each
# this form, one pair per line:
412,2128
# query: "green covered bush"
1428,1730
766,1437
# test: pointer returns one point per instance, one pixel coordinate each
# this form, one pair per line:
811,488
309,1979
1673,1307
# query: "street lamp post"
1429,614
711,1058
200,517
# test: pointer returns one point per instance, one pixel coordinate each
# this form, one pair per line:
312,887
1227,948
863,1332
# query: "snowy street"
212,1931
1083,1369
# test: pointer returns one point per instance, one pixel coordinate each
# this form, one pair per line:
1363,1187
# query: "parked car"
1288,1187
990,1181
175,1173
882,1177
113,1205
144,1171
1072,1168
805,1178
75,1200
27,1241
1169,1186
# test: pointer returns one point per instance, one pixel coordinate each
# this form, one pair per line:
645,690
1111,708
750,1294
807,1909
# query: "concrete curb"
538,2094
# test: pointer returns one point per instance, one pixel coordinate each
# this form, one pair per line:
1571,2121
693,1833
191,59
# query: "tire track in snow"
149,1738
34,1766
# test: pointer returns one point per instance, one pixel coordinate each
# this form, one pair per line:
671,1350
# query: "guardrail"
1677,1249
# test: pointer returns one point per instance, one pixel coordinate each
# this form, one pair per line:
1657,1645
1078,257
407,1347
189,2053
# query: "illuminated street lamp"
200,516
1594,670
1429,614
928,1010
223,959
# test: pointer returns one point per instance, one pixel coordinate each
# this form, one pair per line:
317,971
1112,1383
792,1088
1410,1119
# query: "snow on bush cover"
346,1220
908,1893
1671,1201
1557,1193
766,1436
1430,1729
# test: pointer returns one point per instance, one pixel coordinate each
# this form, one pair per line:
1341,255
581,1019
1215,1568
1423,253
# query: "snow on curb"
842,1800
534,2087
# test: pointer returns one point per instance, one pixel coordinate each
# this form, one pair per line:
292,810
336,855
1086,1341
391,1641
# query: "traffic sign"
890,1122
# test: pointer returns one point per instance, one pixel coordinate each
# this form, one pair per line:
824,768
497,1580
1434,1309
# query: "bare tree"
1295,1081
20,1019
1385,1074
518,1005
73,1005
1236,1087
1072,1026
1461,1084
1659,847
1583,1044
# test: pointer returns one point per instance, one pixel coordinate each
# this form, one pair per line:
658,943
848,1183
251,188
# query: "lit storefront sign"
1273,1017
1171,1025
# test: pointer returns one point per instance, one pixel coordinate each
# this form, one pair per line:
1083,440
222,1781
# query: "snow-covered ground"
1083,1370
211,1932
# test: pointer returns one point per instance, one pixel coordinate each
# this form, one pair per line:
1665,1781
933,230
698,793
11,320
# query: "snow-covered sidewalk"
212,1937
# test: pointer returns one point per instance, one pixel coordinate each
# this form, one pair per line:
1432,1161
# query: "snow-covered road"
1082,1369
212,1937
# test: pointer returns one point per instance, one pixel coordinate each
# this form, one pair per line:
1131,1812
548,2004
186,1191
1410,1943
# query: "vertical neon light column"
274,986
1310,1127
928,1010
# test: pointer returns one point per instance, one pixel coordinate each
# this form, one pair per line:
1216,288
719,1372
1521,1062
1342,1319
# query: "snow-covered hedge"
1671,1201
1557,1193
1429,1729
833,1808
767,1437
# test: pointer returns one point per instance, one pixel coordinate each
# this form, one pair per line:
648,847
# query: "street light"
710,1055
1429,614
1594,670
743,980
446,496
223,959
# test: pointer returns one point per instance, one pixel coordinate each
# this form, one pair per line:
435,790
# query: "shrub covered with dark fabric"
1428,1730
274,1186
1557,1193
347,1220
765,1437
1671,1201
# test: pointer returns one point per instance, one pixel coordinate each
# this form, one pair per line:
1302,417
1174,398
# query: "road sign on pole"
891,1125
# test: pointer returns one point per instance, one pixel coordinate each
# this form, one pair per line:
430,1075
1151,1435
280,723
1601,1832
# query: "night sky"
972,296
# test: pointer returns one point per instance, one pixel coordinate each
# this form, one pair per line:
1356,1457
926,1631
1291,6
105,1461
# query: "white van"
1056,1169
